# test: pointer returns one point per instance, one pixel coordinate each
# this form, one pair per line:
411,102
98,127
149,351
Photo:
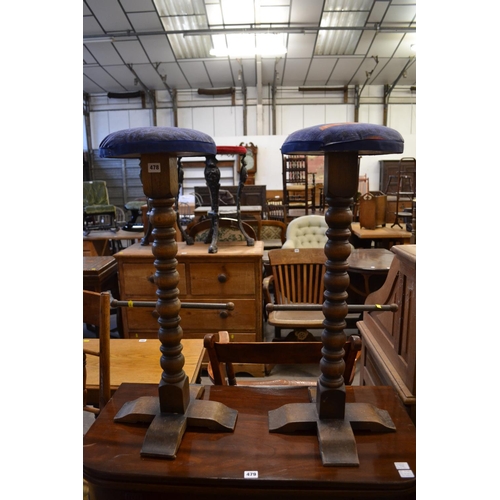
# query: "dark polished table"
368,268
249,462
98,243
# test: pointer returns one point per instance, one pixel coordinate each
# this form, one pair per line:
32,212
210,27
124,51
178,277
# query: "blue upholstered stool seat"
136,141
365,138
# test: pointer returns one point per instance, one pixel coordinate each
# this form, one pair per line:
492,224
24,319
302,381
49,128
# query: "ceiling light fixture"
99,39
238,54
238,46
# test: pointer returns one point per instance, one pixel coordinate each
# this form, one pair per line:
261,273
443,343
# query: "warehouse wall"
216,116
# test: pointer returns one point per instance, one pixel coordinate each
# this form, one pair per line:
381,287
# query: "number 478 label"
154,168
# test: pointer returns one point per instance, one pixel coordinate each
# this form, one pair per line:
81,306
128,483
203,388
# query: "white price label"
154,168
251,474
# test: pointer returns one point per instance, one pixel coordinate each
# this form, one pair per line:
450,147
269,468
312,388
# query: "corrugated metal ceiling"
165,44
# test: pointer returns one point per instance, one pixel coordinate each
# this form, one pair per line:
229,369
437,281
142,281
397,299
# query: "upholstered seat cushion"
135,204
95,198
135,141
365,138
308,231
231,150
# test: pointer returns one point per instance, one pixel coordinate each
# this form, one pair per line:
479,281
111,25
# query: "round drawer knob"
222,278
224,314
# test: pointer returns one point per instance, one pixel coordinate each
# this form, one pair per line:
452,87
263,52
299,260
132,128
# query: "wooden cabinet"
390,168
234,274
389,338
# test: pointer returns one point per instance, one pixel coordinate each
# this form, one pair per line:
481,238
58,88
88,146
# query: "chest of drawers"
234,274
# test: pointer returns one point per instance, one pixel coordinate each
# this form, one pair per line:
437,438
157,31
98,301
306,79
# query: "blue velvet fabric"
135,141
365,138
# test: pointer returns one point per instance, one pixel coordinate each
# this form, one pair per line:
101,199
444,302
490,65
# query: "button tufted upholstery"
308,231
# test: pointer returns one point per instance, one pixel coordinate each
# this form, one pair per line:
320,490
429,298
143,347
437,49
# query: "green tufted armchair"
97,211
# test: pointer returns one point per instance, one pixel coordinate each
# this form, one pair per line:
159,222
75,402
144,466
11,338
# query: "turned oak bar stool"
176,406
341,144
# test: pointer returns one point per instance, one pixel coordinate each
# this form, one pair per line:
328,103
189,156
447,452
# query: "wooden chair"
297,278
275,209
96,311
222,354
272,233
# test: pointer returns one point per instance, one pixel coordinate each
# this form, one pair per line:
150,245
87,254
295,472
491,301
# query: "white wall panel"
225,124
165,118
339,114
225,120
314,115
292,119
251,121
118,120
373,113
100,128
203,120
185,117
400,117
140,118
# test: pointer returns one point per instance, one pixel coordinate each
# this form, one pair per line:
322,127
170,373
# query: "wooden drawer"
222,280
135,281
219,280
242,318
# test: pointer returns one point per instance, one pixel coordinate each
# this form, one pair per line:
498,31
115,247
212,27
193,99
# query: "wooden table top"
97,264
370,259
230,209
113,235
138,360
215,463
386,232
227,250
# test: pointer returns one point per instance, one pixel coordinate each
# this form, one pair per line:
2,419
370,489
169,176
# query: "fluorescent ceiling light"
99,39
267,45
337,14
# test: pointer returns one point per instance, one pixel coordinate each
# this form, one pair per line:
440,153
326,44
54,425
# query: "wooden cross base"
335,436
165,433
